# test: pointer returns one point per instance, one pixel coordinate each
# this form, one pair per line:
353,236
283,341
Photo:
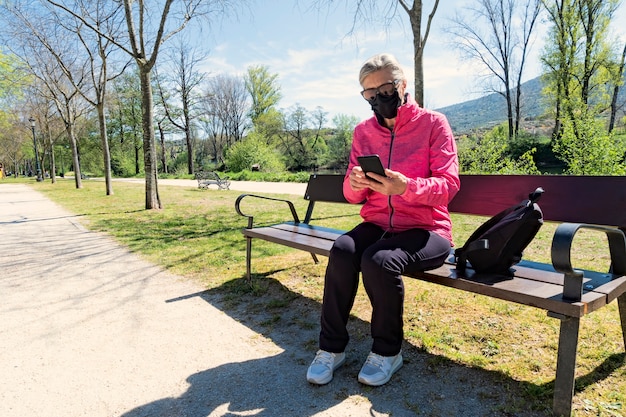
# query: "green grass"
197,235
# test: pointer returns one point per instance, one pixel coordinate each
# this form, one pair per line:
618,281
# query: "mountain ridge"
490,110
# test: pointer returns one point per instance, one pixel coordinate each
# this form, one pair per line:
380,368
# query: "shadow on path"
427,385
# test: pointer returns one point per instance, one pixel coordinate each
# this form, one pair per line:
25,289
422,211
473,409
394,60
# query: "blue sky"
317,62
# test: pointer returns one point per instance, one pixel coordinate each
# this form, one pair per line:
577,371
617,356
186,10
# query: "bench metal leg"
566,367
621,304
248,258
314,256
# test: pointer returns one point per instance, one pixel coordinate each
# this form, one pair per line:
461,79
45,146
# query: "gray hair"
379,62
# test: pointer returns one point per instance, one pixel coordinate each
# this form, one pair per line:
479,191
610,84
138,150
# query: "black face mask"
386,106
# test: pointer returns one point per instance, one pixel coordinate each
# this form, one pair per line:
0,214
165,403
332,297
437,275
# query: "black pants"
381,258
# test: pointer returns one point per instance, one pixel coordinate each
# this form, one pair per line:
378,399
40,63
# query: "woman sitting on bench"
406,226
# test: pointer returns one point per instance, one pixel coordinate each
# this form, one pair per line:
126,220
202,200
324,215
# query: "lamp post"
32,126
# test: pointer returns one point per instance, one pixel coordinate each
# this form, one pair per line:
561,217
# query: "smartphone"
371,163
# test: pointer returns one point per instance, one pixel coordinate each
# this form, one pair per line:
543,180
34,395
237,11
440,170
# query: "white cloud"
317,64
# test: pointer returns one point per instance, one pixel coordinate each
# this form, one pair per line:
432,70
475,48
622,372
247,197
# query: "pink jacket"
422,147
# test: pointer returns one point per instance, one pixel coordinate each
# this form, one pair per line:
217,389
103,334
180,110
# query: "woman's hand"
392,184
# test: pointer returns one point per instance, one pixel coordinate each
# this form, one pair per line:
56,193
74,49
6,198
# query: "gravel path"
89,329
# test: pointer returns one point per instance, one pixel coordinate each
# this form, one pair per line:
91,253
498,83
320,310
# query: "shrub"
250,152
588,149
491,154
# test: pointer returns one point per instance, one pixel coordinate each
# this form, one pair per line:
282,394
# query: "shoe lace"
324,358
375,360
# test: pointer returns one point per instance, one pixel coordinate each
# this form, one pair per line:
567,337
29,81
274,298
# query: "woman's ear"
402,90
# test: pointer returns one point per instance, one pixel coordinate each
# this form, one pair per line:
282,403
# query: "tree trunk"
616,92
149,149
190,164
69,127
162,139
106,153
509,101
53,166
415,17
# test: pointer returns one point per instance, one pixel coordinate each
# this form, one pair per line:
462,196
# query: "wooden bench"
566,293
206,178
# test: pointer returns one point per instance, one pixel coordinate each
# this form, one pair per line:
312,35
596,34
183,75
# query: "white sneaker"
378,369
321,369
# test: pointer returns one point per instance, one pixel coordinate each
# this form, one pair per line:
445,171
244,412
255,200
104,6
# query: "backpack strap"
535,195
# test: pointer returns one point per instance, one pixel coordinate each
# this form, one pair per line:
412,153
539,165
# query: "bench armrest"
294,214
561,259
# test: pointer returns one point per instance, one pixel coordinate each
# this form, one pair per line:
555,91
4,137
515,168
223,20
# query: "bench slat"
613,289
532,281
516,289
305,229
543,290
610,285
303,242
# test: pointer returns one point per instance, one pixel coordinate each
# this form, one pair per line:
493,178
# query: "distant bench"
206,178
566,293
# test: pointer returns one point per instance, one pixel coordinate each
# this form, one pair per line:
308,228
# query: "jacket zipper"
391,209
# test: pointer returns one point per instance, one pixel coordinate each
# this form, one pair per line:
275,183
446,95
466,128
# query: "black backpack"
498,243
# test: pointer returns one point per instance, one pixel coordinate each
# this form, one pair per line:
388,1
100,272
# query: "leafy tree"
269,126
264,91
580,66
12,76
14,144
12,140
340,142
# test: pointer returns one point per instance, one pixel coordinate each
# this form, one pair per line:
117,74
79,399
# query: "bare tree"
229,102
51,128
294,139
12,143
501,47
149,26
68,102
213,127
98,49
302,141
367,11
49,54
83,58
12,77
126,115
186,81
